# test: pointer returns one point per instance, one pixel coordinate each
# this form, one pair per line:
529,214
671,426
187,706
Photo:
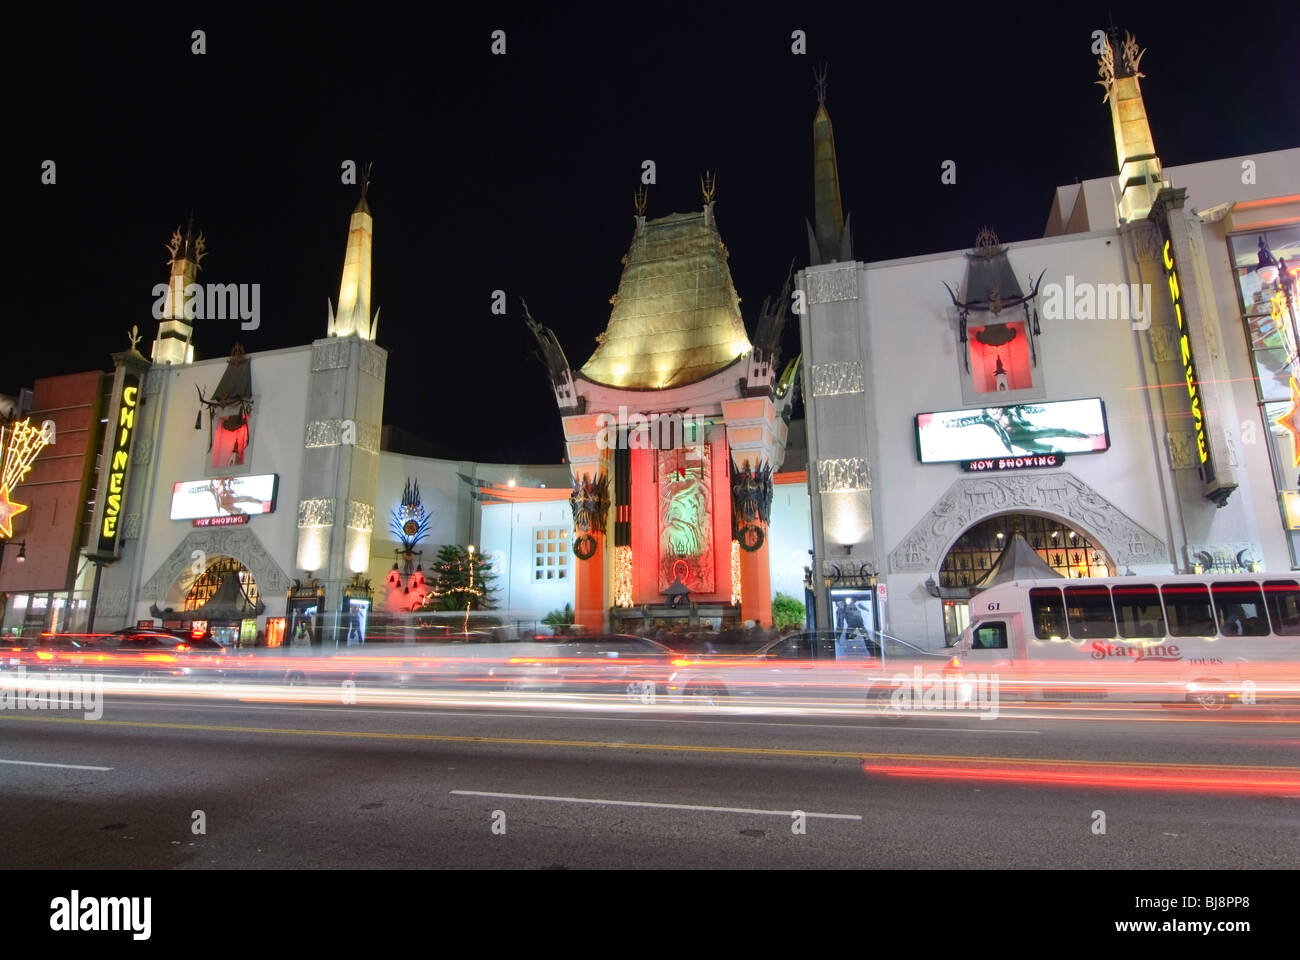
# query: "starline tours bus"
1207,639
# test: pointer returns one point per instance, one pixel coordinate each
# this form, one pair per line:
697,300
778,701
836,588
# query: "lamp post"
21,558
22,550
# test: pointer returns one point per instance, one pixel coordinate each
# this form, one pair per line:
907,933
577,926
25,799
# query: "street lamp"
22,549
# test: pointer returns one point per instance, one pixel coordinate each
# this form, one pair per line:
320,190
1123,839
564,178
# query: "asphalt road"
508,785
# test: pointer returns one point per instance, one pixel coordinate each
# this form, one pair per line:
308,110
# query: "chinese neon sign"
119,461
1189,366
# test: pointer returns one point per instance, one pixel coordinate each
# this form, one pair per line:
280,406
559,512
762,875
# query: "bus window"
1283,598
1241,609
989,636
1137,610
1090,612
1187,607
1048,613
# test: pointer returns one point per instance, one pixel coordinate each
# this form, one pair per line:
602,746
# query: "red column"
645,529
756,585
589,604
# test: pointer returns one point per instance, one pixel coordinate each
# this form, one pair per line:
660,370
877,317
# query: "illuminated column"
645,528
590,443
756,585
589,600
756,437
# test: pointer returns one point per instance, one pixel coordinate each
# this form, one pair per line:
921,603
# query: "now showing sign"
1013,463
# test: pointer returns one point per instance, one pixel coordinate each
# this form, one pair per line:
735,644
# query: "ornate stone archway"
971,499
171,581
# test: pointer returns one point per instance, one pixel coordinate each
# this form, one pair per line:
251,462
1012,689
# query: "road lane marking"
64,766
653,747
475,713
661,806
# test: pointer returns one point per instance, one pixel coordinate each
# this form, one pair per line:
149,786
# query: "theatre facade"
1120,393
259,495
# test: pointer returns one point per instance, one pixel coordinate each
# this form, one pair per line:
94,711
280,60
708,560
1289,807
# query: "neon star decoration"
19,443
1291,421
8,510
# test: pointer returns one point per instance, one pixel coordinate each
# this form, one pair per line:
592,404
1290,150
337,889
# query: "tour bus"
1207,639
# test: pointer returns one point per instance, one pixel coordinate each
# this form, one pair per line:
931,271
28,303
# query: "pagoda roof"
676,317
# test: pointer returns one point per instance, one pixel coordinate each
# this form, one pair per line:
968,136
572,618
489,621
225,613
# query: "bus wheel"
1209,699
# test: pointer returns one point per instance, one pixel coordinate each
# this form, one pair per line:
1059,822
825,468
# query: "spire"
1140,177
353,317
831,239
174,342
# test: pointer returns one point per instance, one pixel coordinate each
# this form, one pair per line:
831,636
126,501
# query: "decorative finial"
986,242
1131,56
134,336
639,200
1106,69
365,183
709,185
819,75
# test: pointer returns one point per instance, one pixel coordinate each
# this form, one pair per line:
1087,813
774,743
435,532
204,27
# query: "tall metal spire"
353,317
1140,173
830,240
174,342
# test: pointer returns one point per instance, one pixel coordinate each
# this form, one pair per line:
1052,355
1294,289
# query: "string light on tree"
462,580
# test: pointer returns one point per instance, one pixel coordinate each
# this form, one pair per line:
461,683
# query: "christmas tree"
462,580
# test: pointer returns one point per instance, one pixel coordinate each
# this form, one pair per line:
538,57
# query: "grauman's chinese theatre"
674,428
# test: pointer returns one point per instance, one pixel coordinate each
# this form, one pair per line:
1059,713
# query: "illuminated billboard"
1023,430
224,497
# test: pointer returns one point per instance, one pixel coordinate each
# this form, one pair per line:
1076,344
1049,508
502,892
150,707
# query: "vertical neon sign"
119,461
1189,366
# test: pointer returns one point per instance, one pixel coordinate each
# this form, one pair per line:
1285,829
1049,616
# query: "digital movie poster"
1067,426
853,622
223,497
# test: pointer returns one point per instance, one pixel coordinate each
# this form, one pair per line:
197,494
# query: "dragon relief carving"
970,500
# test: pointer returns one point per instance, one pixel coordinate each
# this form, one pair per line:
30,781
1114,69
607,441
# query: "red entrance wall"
645,528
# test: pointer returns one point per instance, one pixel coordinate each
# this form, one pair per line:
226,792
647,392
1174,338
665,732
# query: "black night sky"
516,172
